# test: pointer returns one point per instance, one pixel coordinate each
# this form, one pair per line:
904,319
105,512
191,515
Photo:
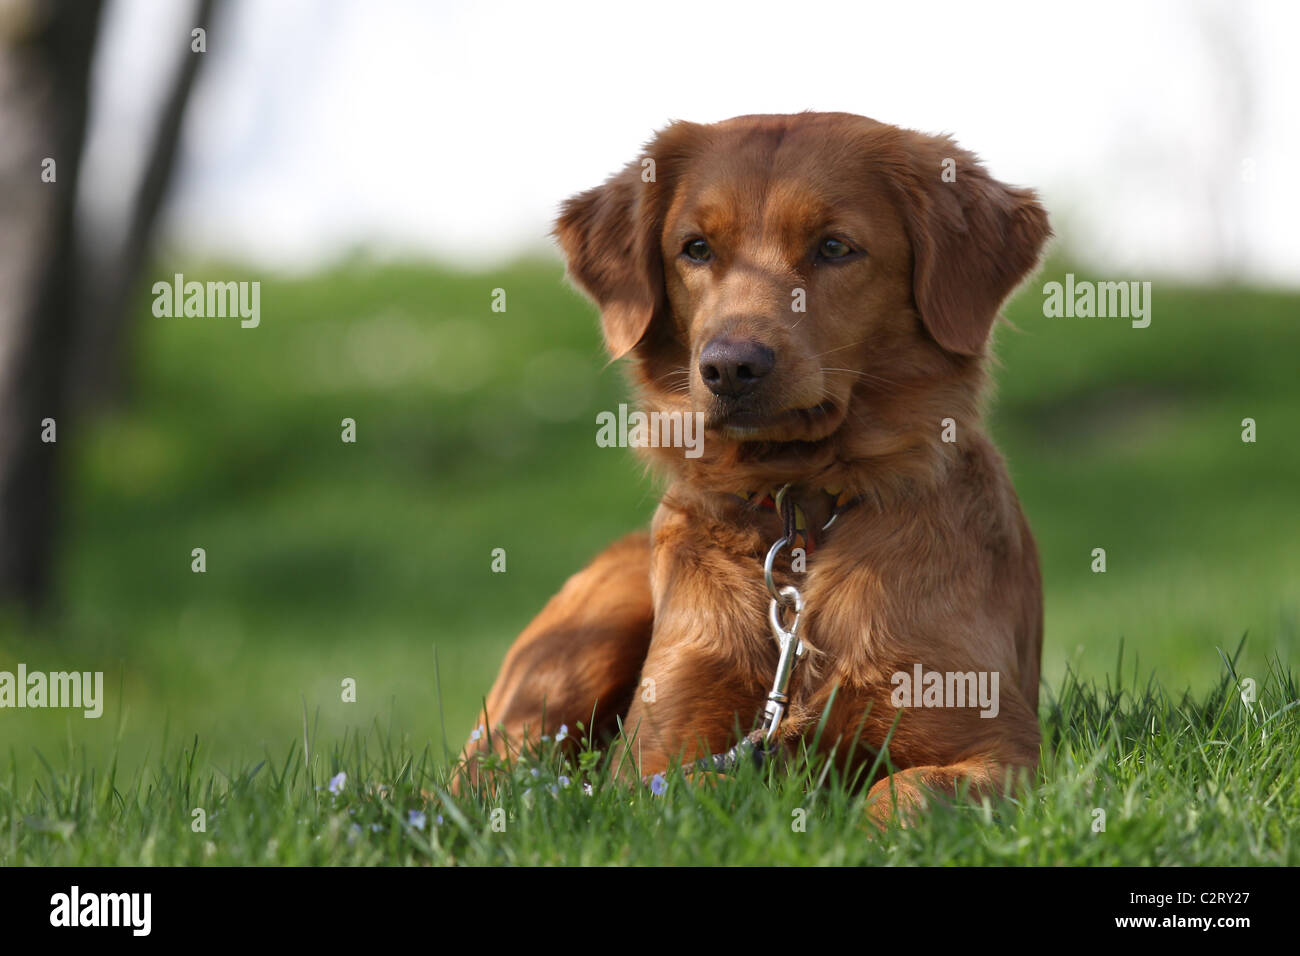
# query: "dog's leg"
692,704
711,660
909,792
1004,752
580,656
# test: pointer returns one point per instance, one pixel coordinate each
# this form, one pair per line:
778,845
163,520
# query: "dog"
821,288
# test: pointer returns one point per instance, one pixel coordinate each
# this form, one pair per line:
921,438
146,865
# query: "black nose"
732,368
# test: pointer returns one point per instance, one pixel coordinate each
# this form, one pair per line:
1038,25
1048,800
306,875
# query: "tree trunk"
104,303
45,56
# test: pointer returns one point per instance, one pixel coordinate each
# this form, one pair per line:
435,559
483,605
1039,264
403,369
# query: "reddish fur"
936,566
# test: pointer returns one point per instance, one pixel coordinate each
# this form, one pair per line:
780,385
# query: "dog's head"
815,284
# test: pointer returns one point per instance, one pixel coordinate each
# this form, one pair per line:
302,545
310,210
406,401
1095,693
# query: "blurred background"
380,168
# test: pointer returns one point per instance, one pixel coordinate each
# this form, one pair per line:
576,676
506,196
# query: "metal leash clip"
792,651
787,638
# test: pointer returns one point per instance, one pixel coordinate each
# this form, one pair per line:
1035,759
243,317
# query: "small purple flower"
536,772
417,819
564,781
337,781
476,733
658,785
562,733
439,819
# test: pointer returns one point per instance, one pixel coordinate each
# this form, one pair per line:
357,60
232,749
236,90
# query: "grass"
328,561
1130,776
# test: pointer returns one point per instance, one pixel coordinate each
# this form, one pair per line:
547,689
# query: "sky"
1161,135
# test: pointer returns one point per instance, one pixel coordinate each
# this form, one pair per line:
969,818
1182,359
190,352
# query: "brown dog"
821,287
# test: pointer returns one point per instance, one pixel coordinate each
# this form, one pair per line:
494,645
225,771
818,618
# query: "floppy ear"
610,237
973,240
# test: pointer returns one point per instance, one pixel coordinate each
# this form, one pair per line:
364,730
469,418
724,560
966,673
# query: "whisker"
676,371
839,348
867,376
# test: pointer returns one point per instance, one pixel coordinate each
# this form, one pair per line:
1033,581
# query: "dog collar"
802,534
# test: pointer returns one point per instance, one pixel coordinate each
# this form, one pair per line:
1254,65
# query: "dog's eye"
697,250
833,249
